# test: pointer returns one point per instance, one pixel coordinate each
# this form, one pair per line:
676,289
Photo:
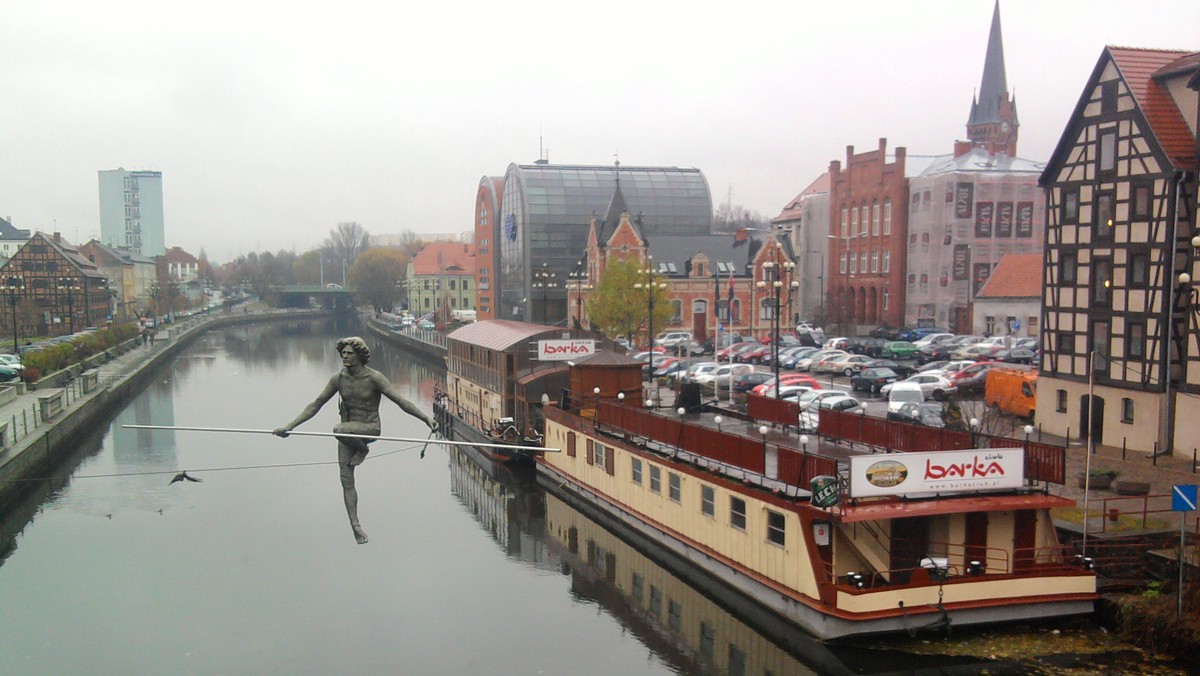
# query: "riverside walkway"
36,424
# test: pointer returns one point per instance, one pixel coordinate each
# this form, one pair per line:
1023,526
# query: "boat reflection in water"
680,624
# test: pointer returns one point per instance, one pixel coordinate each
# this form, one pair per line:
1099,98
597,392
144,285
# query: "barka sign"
941,472
562,350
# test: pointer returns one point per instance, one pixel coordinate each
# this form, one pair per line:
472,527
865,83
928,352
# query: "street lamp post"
650,286
544,280
779,269
579,279
67,285
13,286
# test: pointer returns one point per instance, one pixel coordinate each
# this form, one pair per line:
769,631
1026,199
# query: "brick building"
867,233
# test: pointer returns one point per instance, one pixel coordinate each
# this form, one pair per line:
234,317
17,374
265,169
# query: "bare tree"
410,243
346,242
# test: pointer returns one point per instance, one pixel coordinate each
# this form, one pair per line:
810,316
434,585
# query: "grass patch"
1124,522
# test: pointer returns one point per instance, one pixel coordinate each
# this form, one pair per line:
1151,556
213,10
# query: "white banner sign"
937,472
561,350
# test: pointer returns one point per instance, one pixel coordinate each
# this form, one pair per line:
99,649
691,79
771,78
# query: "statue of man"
360,389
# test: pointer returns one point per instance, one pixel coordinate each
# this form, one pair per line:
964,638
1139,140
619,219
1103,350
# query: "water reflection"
678,623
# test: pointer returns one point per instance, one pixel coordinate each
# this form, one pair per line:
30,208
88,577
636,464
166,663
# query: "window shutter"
591,452
570,444
610,461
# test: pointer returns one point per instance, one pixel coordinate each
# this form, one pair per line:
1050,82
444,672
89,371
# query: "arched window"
699,307
866,220
845,221
887,217
875,217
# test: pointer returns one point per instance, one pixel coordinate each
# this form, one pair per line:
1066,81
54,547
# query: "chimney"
57,238
962,148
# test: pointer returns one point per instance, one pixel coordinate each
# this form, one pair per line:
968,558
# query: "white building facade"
131,211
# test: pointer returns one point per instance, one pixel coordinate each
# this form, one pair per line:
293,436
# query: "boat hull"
721,578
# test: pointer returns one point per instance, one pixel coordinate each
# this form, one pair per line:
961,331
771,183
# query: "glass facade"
545,216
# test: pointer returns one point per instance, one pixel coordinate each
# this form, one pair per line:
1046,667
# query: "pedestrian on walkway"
145,336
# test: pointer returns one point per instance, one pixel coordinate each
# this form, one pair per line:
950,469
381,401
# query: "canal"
109,567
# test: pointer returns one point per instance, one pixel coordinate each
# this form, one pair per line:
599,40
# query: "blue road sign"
1183,498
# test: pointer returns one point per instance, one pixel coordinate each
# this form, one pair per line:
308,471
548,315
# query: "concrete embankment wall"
409,344
40,452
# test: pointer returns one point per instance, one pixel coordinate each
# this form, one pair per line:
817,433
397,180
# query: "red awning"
894,508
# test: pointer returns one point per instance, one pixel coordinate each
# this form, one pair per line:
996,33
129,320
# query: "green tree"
307,268
620,305
375,274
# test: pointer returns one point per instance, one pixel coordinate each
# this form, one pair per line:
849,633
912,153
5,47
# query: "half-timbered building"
52,289
1121,214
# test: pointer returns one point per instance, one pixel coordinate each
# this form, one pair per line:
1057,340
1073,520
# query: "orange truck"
1012,390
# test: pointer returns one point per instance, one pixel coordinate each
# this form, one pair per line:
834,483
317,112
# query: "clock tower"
993,121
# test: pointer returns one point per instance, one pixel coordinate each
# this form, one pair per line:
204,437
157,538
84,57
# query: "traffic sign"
1183,498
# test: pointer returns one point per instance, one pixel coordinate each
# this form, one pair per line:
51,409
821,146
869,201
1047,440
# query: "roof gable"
439,258
1015,276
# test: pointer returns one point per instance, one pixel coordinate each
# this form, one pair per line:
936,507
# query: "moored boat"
839,542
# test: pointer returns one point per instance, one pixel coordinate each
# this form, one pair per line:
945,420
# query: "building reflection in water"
677,622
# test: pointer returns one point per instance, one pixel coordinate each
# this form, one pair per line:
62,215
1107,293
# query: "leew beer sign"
562,350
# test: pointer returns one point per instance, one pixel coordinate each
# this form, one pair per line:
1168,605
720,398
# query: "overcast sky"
271,122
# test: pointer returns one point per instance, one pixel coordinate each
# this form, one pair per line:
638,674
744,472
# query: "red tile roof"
439,258
1015,276
1138,67
792,210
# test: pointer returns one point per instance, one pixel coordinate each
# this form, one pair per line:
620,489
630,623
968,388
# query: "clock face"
510,228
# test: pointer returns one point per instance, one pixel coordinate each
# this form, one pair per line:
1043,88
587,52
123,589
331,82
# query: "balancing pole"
532,449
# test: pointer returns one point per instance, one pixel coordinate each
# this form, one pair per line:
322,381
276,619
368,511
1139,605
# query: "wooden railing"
785,412
1043,462
723,447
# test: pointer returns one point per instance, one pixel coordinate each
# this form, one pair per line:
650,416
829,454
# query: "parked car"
719,377
977,351
1017,355
942,350
920,333
791,391
767,389
748,381
846,365
932,339
688,348
810,418
724,354
838,343
696,368
806,363
671,339
872,380
669,367
813,398
903,393
933,385
902,370
927,414
1012,389
885,331
972,379
794,355
752,355
898,349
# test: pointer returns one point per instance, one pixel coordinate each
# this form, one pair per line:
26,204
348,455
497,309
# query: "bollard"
1123,439
1154,456
1039,433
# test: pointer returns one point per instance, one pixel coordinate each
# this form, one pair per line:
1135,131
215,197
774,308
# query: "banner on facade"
964,196
1025,219
937,472
983,219
1004,219
980,276
962,259
562,350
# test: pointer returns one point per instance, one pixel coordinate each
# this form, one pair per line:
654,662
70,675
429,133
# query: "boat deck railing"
946,562
771,465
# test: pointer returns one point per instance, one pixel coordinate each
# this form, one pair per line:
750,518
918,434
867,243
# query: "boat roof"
498,334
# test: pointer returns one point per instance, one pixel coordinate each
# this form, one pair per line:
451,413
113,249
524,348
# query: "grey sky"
271,122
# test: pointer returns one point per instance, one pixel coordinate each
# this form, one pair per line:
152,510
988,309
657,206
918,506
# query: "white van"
902,393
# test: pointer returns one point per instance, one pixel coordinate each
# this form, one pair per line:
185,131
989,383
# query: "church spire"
993,120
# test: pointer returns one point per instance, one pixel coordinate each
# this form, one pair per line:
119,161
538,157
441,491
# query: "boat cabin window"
655,479
637,471
776,528
707,500
737,513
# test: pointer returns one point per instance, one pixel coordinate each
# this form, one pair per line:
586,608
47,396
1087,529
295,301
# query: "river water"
111,569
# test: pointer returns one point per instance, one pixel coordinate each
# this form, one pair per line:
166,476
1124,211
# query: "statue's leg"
349,492
358,446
